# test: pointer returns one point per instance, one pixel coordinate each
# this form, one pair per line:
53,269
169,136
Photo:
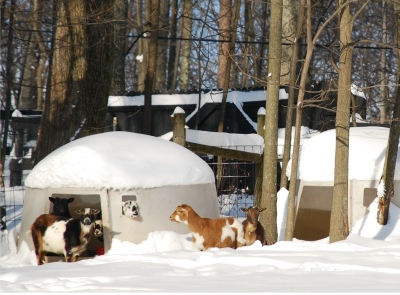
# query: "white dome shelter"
102,171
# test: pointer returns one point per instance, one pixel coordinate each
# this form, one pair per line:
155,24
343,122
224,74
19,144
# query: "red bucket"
99,250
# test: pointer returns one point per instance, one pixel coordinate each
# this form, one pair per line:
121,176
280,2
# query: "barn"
102,171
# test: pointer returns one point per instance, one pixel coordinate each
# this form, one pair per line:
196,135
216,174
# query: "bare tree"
143,29
339,223
269,183
226,79
38,6
81,75
186,44
311,42
289,115
288,36
160,82
151,66
8,81
387,179
172,65
120,24
225,36
293,76
384,94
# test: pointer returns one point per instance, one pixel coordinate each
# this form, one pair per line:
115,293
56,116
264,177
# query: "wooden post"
178,126
260,121
259,167
115,123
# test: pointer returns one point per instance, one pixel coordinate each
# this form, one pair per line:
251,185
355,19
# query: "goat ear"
243,209
95,211
71,200
261,210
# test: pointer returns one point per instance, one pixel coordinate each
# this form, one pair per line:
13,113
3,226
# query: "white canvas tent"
120,166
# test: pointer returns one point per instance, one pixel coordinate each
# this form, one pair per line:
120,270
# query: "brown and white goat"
207,233
59,235
253,230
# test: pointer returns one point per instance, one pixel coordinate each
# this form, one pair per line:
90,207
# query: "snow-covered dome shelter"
315,178
102,171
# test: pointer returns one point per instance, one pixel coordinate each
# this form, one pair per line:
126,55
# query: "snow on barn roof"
234,96
119,160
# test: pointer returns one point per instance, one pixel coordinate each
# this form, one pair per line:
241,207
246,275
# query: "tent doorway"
314,213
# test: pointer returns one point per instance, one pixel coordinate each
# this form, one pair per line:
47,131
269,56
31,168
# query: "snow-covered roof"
236,97
252,143
367,150
119,160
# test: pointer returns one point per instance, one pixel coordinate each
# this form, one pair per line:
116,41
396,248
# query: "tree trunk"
143,43
339,224
259,64
225,16
226,79
162,48
291,210
288,36
8,82
120,24
81,75
249,36
186,45
292,87
40,73
151,67
393,144
384,94
269,184
93,106
173,44
28,86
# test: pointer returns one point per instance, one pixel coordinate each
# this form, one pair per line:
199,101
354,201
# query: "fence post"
16,157
115,123
260,121
178,126
259,167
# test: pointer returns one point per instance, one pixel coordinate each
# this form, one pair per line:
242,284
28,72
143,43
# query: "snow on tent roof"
119,160
367,150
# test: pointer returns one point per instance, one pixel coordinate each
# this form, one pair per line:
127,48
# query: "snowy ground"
367,261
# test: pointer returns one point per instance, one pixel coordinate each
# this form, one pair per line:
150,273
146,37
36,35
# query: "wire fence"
236,186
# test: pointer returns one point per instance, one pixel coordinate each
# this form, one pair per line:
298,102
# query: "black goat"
60,206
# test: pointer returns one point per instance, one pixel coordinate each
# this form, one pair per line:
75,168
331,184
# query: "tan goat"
253,230
207,233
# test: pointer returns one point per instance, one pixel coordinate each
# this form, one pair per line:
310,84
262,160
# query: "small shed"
102,171
367,149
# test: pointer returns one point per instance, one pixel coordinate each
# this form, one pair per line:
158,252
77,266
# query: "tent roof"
119,160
